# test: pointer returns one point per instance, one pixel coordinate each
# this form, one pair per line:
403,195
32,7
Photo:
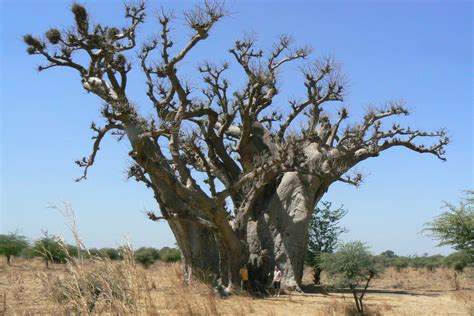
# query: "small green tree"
169,254
351,265
324,231
389,254
107,252
147,256
111,253
72,251
455,227
12,245
386,258
51,249
417,262
400,263
458,261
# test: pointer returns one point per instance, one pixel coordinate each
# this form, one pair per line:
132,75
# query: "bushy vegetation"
169,254
458,261
455,226
351,266
53,250
109,253
147,256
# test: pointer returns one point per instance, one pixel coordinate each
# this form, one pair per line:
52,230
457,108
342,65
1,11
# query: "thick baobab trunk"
279,233
211,250
199,249
195,240
209,254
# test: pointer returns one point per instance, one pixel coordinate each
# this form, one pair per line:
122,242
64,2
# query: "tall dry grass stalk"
67,211
95,287
99,285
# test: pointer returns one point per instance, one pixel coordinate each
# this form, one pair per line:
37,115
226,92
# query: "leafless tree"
272,171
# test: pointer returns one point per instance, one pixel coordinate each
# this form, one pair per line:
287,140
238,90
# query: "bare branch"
323,83
88,162
137,172
342,116
355,180
356,146
284,45
201,19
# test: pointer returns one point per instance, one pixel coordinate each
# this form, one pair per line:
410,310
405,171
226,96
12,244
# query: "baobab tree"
262,173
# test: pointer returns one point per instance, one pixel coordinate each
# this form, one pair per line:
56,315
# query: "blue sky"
418,51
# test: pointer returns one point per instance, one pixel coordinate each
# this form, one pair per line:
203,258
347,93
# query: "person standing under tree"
244,277
277,281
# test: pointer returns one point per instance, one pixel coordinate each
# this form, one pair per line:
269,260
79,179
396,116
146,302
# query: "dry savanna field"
29,288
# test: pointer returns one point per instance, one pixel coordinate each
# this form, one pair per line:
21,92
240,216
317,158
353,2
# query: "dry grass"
441,279
160,290
99,286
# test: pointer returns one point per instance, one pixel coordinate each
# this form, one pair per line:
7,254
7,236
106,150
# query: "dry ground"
409,292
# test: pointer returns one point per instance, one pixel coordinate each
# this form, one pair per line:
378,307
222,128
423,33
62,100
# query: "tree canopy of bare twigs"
236,138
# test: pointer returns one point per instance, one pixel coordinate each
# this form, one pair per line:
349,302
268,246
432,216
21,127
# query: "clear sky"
418,51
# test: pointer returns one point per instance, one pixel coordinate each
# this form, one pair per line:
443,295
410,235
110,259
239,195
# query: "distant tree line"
454,227
53,250
458,261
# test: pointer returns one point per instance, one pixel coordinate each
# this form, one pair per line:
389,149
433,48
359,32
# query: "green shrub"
351,266
388,254
432,266
400,263
147,256
383,261
51,249
105,253
167,254
112,253
72,251
12,245
458,261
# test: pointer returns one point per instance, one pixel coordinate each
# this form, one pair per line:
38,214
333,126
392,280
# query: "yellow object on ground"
244,274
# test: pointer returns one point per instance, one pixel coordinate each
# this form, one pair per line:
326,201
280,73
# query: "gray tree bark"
199,250
279,234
